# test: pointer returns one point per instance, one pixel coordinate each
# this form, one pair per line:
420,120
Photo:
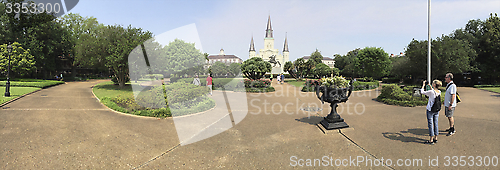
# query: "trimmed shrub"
365,85
257,83
392,94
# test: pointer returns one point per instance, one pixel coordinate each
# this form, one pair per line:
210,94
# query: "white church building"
269,50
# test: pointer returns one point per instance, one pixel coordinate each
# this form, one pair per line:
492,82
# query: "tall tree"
119,43
489,48
234,69
219,69
374,62
81,30
316,57
300,67
447,55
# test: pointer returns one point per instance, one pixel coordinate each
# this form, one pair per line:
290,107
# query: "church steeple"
269,30
285,48
252,46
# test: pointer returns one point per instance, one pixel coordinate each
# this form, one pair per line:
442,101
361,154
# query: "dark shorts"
449,113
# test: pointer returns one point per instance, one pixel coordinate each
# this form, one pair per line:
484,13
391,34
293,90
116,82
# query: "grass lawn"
492,89
15,92
108,89
296,83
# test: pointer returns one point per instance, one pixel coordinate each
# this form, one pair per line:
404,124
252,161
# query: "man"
450,103
196,81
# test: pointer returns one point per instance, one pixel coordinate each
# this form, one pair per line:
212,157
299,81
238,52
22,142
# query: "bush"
195,105
260,90
365,85
257,83
310,85
393,95
365,79
181,92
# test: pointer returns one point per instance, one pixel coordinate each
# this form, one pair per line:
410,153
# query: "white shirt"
432,94
196,81
447,96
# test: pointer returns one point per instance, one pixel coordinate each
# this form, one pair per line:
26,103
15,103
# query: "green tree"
22,63
447,55
180,57
489,48
38,32
119,43
321,70
254,68
290,68
300,67
373,62
347,63
400,67
219,69
234,69
309,68
335,71
81,33
316,57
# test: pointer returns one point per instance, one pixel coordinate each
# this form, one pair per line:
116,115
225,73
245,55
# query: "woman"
432,117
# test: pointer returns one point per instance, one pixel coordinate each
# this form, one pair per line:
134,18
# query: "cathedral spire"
269,30
285,48
252,46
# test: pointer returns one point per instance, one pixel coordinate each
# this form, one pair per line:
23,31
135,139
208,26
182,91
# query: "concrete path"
65,127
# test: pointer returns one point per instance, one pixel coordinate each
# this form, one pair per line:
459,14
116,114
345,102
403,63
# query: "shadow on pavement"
496,95
419,131
402,138
313,120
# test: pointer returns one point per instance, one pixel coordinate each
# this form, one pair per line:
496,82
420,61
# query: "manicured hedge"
393,95
358,85
34,83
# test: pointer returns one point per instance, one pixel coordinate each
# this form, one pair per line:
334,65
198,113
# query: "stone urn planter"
333,95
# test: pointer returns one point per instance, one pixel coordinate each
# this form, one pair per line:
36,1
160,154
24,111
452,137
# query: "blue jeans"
432,123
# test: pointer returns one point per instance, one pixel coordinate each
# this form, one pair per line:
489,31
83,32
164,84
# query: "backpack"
436,107
457,96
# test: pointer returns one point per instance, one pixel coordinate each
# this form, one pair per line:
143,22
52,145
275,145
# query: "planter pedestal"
333,96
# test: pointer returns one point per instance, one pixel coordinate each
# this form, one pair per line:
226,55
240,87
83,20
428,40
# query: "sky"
331,26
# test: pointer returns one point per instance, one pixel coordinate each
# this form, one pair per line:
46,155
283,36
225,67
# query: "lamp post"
7,85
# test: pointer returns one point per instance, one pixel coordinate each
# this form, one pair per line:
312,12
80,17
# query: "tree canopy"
255,68
373,62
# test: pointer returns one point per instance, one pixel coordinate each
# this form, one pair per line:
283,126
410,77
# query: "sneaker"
451,133
447,130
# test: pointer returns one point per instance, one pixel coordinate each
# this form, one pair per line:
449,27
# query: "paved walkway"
66,127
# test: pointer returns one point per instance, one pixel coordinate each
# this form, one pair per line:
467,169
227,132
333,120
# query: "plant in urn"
334,90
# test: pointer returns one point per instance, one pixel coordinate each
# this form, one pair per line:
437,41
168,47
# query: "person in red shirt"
209,83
